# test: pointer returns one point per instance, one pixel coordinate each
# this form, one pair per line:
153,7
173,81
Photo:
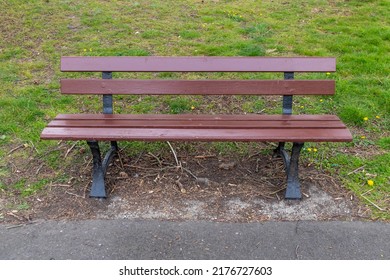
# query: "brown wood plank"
199,87
216,124
198,64
247,117
148,134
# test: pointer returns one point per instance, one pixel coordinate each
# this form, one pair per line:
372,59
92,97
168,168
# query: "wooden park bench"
281,128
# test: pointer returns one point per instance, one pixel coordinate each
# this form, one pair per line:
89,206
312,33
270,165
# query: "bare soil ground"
201,186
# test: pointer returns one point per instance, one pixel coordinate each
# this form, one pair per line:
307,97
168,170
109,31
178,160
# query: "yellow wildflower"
309,149
315,150
365,119
328,73
85,50
378,117
192,107
362,137
370,183
321,100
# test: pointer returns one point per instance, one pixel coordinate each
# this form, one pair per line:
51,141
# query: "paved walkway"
151,239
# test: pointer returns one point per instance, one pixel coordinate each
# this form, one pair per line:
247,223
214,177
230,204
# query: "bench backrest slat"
198,64
198,87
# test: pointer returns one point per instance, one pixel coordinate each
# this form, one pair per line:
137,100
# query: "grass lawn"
35,34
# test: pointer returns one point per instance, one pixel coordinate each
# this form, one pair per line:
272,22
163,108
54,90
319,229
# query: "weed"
151,34
252,50
179,105
384,143
234,16
253,105
258,32
23,206
189,34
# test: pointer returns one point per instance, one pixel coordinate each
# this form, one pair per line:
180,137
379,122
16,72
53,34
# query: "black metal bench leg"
293,190
280,151
98,189
109,156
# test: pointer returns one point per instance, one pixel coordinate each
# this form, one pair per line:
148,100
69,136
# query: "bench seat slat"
154,127
198,87
198,64
197,134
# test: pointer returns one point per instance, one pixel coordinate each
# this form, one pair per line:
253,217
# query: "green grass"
35,34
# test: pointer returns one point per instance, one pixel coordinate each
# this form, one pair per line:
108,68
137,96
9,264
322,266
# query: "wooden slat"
150,134
157,117
198,64
197,127
196,124
201,87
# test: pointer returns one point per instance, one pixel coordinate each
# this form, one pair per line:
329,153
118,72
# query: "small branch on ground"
22,225
189,172
74,194
174,154
15,216
69,150
39,168
15,149
120,160
156,157
204,156
376,206
356,170
61,185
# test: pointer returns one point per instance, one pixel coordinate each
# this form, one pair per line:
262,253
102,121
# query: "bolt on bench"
281,128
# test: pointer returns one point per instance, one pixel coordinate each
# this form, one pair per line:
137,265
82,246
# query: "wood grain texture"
203,128
198,87
198,64
190,134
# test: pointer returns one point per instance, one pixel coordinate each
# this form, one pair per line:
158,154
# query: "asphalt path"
193,240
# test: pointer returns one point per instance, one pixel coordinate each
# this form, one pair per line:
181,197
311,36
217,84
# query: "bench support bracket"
293,190
98,189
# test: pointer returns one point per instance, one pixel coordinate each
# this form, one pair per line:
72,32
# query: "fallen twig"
15,149
189,172
204,156
156,157
275,192
15,216
356,170
33,146
85,190
120,160
149,168
88,164
69,150
376,206
363,194
61,185
257,165
39,168
174,154
21,225
74,194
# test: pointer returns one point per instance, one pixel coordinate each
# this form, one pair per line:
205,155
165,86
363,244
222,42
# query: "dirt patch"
199,187
320,206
